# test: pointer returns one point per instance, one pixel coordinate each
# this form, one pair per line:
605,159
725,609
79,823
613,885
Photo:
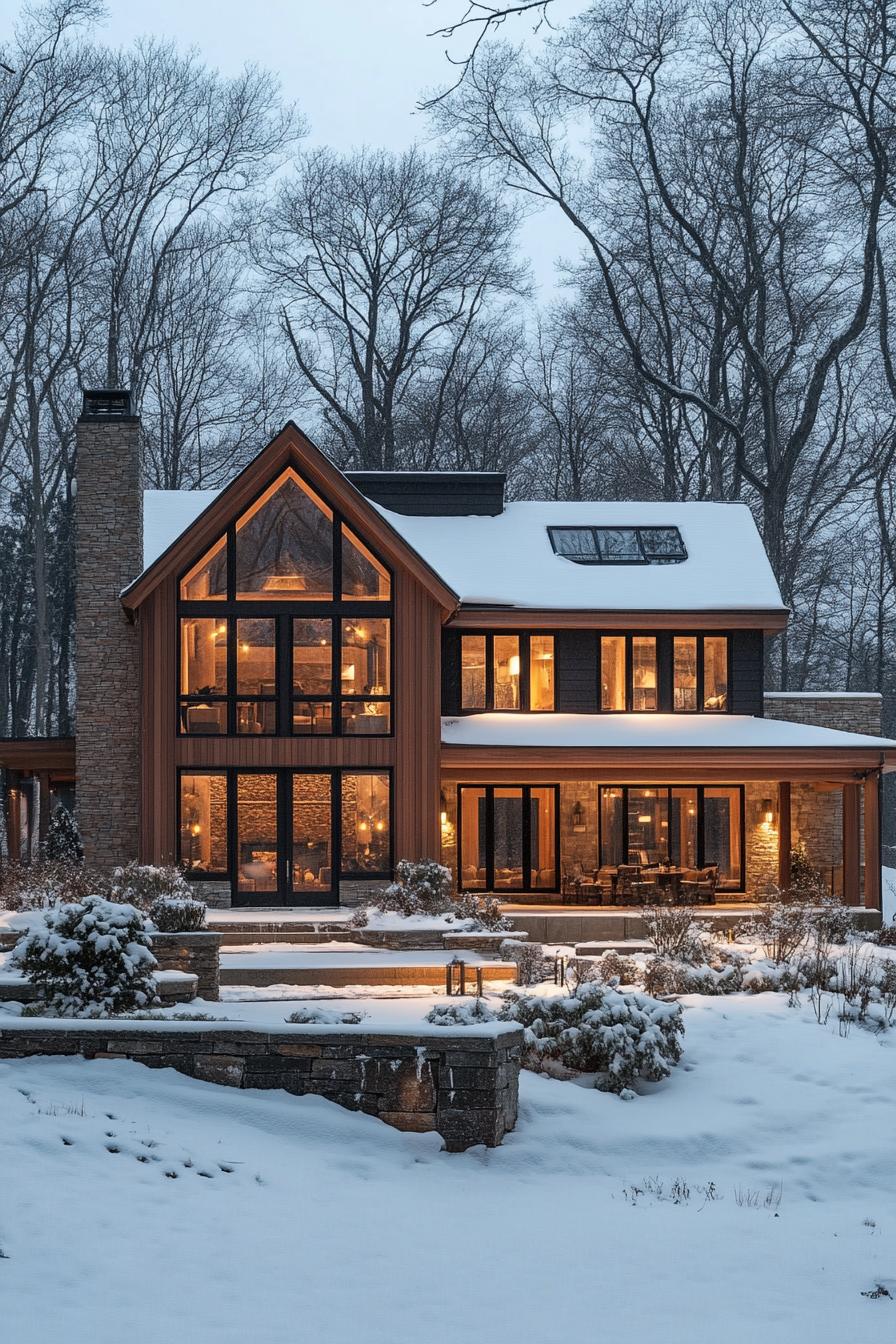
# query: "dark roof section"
107,404
434,493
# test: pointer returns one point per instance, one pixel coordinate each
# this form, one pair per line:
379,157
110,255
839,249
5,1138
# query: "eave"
771,621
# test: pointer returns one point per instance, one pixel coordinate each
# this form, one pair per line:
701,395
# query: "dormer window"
618,545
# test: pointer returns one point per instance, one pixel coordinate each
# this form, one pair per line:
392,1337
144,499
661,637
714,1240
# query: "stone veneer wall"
198,954
761,839
108,556
463,1085
851,712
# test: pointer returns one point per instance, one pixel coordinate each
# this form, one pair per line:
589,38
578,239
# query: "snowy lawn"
142,1205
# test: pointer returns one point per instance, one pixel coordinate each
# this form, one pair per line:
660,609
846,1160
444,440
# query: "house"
289,683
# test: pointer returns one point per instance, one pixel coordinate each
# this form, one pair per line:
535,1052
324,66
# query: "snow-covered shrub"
460,1014
141,884
785,977
780,926
832,920
178,914
614,966
484,910
37,886
63,842
667,975
599,1029
673,933
421,887
581,970
884,937
529,957
90,958
325,1016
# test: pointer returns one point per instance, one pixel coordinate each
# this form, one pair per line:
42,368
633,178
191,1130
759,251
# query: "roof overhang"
36,755
291,447
523,618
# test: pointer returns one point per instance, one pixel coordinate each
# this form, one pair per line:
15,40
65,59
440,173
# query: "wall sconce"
768,811
443,806
578,816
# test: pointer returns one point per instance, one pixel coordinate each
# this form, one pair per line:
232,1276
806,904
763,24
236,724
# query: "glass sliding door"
722,833
543,838
257,836
508,837
312,834
648,826
683,828
690,827
472,874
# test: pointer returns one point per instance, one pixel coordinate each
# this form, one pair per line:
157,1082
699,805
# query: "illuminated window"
541,672
284,545
362,574
256,676
203,824
203,675
472,672
715,673
312,826
612,672
684,672
207,580
507,671
366,823
644,685
365,675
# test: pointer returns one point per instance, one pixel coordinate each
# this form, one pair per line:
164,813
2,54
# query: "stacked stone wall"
108,557
196,953
463,1085
856,712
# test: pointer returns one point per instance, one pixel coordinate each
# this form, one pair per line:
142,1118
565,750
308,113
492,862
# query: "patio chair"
644,890
626,875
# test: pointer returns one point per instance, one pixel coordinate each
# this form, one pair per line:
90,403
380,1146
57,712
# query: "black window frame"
525,647
665,670
229,609
701,837
284,776
647,556
489,838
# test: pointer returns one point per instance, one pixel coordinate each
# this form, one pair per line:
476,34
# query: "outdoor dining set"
640,884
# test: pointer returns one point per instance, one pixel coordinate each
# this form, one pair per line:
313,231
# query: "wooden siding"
516,618
746,674
412,753
576,671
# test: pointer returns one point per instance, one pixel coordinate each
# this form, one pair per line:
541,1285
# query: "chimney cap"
107,404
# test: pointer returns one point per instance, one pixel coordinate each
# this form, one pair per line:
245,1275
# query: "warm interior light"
513,666
196,828
645,819
244,648
380,825
284,583
348,673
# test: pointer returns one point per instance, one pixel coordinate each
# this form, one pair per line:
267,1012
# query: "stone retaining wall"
198,954
462,1084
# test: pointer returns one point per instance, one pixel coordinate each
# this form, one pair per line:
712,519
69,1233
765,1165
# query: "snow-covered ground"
751,1196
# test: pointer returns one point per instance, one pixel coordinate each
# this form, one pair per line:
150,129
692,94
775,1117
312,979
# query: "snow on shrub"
666,975
312,1015
580,970
625,970
141,884
531,966
178,914
90,958
484,911
460,1014
38,886
424,888
599,1029
63,842
884,937
674,933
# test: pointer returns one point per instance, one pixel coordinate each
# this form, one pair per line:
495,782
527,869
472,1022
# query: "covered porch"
612,828
36,773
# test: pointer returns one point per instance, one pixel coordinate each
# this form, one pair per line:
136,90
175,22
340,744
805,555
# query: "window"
644,687
692,827
472,672
715,673
203,824
618,545
284,665
284,545
507,672
366,824
684,672
312,827
541,672
612,672
722,810
508,837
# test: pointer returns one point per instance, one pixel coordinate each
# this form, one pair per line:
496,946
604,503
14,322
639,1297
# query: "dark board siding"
575,660
436,493
450,672
746,672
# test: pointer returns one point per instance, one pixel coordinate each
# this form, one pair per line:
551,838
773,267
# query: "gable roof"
508,560
180,524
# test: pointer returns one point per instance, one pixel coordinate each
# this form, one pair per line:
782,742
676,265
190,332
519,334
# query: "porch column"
851,828
784,837
43,807
871,790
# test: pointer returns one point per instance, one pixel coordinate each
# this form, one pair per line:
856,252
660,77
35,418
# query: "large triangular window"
363,577
207,580
284,545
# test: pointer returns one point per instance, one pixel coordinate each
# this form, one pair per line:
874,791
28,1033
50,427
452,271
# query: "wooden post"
43,807
784,836
851,826
871,790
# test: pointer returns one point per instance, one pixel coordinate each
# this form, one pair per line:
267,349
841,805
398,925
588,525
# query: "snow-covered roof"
507,559
168,513
675,731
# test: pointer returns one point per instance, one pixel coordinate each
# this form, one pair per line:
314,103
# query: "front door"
283,837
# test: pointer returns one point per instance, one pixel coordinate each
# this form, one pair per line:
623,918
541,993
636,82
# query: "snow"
822,695
631,731
280,915
390,921
508,559
290,1218
276,956
168,513
888,895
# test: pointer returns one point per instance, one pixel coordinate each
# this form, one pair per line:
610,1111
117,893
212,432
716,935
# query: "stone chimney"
108,556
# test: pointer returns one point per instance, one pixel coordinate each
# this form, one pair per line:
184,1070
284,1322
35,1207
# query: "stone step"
389,973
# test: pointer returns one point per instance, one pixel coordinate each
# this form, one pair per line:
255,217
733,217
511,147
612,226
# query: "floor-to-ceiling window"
508,837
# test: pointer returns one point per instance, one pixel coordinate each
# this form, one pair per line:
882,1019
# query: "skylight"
619,545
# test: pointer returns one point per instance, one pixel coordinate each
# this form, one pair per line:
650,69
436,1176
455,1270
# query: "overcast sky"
355,67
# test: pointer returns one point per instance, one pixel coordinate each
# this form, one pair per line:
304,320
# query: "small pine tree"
63,843
90,958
